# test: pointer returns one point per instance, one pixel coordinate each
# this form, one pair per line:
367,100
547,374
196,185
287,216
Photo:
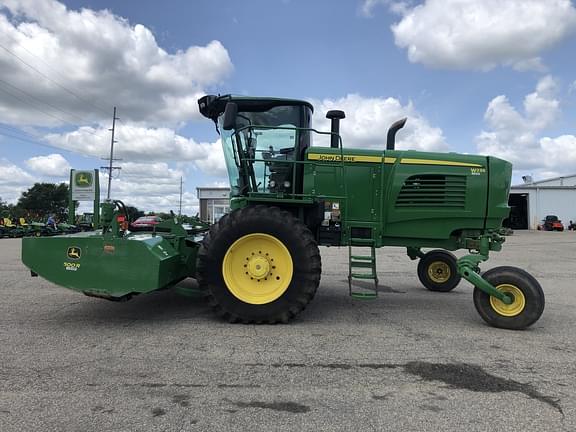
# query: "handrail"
294,162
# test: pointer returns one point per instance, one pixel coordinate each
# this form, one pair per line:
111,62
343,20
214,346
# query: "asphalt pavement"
411,360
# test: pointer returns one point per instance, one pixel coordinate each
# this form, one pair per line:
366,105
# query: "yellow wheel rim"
512,309
257,268
439,272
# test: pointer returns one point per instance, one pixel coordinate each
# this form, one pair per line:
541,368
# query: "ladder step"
364,261
361,241
364,295
363,264
363,275
362,258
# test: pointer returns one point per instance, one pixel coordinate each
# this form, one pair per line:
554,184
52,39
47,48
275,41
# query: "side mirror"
230,114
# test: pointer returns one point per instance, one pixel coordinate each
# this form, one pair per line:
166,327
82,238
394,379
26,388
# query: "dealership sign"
83,184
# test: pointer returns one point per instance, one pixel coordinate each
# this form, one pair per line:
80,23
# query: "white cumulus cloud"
368,119
142,144
482,34
52,165
150,187
517,136
13,181
77,64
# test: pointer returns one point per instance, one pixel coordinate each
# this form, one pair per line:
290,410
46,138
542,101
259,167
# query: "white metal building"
532,201
214,202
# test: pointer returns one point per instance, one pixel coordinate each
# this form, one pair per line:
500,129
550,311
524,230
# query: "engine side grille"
433,190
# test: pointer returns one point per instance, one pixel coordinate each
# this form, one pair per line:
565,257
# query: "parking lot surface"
411,360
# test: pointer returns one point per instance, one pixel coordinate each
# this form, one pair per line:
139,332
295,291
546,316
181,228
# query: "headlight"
286,184
271,184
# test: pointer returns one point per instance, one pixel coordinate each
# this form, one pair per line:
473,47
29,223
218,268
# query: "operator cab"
262,138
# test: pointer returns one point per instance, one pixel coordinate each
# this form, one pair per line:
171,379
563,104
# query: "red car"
145,223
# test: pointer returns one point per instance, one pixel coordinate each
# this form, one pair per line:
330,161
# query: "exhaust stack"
391,141
335,116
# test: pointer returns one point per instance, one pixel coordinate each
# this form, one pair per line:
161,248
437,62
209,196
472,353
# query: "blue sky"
474,76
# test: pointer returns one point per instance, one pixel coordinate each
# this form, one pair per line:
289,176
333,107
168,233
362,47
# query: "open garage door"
518,218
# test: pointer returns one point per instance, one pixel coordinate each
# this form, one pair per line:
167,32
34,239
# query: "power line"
110,168
33,107
30,139
56,83
45,103
50,79
23,139
17,42
4,126
44,112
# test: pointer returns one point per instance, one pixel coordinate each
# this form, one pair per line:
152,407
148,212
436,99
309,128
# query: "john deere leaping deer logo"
83,179
74,253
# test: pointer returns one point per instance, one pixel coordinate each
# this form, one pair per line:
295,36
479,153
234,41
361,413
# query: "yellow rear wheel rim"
439,272
509,310
257,268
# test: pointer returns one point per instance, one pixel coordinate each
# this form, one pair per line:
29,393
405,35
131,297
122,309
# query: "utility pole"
110,168
180,206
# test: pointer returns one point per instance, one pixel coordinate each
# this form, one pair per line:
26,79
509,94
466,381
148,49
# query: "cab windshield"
257,155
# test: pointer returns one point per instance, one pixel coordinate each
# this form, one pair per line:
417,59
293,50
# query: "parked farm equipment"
35,229
10,229
261,262
551,223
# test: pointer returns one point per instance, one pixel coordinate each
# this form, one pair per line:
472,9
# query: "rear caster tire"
259,265
438,271
528,304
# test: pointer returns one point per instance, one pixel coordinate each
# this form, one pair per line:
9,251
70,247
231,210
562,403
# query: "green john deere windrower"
261,264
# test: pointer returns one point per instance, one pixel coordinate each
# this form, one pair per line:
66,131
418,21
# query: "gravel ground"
411,360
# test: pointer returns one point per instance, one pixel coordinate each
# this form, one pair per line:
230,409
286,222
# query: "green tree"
9,210
43,199
3,207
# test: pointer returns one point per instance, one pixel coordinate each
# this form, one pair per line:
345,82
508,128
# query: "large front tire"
528,299
259,265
